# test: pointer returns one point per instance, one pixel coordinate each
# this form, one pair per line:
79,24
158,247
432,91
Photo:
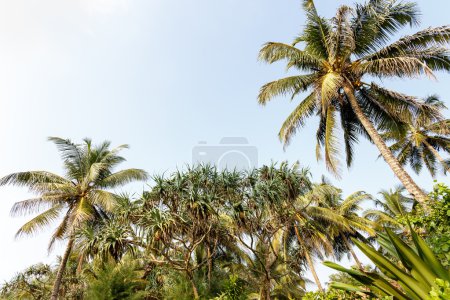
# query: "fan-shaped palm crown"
337,56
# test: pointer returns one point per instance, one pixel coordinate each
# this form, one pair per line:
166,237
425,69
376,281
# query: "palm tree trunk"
437,155
350,248
61,269
308,260
396,167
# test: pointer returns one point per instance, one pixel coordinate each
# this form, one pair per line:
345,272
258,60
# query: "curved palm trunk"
309,260
438,156
350,248
61,270
396,167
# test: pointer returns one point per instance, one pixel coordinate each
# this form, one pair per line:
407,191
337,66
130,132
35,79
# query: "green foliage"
331,294
234,289
33,283
114,281
441,290
433,220
419,141
413,279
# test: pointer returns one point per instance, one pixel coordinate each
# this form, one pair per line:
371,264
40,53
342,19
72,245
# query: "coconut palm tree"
310,226
80,196
348,209
419,142
336,63
392,205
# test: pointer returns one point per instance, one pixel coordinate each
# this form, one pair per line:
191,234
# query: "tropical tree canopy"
80,196
419,141
338,60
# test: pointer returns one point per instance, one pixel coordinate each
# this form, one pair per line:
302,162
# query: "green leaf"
414,285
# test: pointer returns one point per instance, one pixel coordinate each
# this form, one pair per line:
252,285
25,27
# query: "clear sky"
159,75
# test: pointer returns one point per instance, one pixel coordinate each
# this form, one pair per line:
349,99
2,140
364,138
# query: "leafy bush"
417,278
116,281
434,222
331,294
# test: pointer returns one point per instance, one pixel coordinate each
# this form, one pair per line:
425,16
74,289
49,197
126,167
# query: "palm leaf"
42,220
285,86
123,177
296,119
272,52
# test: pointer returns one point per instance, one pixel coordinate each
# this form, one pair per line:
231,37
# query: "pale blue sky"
160,75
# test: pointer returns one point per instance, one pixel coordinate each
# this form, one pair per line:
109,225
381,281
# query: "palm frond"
352,128
40,221
331,143
375,21
36,181
272,52
341,39
316,32
285,86
403,66
61,231
123,177
104,199
430,39
330,86
297,118
31,206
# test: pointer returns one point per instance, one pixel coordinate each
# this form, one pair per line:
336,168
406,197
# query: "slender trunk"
61,269
438,156
194,288
264,293
350,248
209,267
396,167
308,259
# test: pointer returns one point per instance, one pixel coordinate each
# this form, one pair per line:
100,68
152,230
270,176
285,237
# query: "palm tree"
337,56
310,225
393,204
348,209
419,142
78,197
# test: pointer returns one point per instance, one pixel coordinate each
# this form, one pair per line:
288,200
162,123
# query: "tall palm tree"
337,58
78,197
419,142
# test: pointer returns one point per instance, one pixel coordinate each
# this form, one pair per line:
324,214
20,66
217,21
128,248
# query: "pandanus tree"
419,141
181,223
260,222
337,61
80,196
